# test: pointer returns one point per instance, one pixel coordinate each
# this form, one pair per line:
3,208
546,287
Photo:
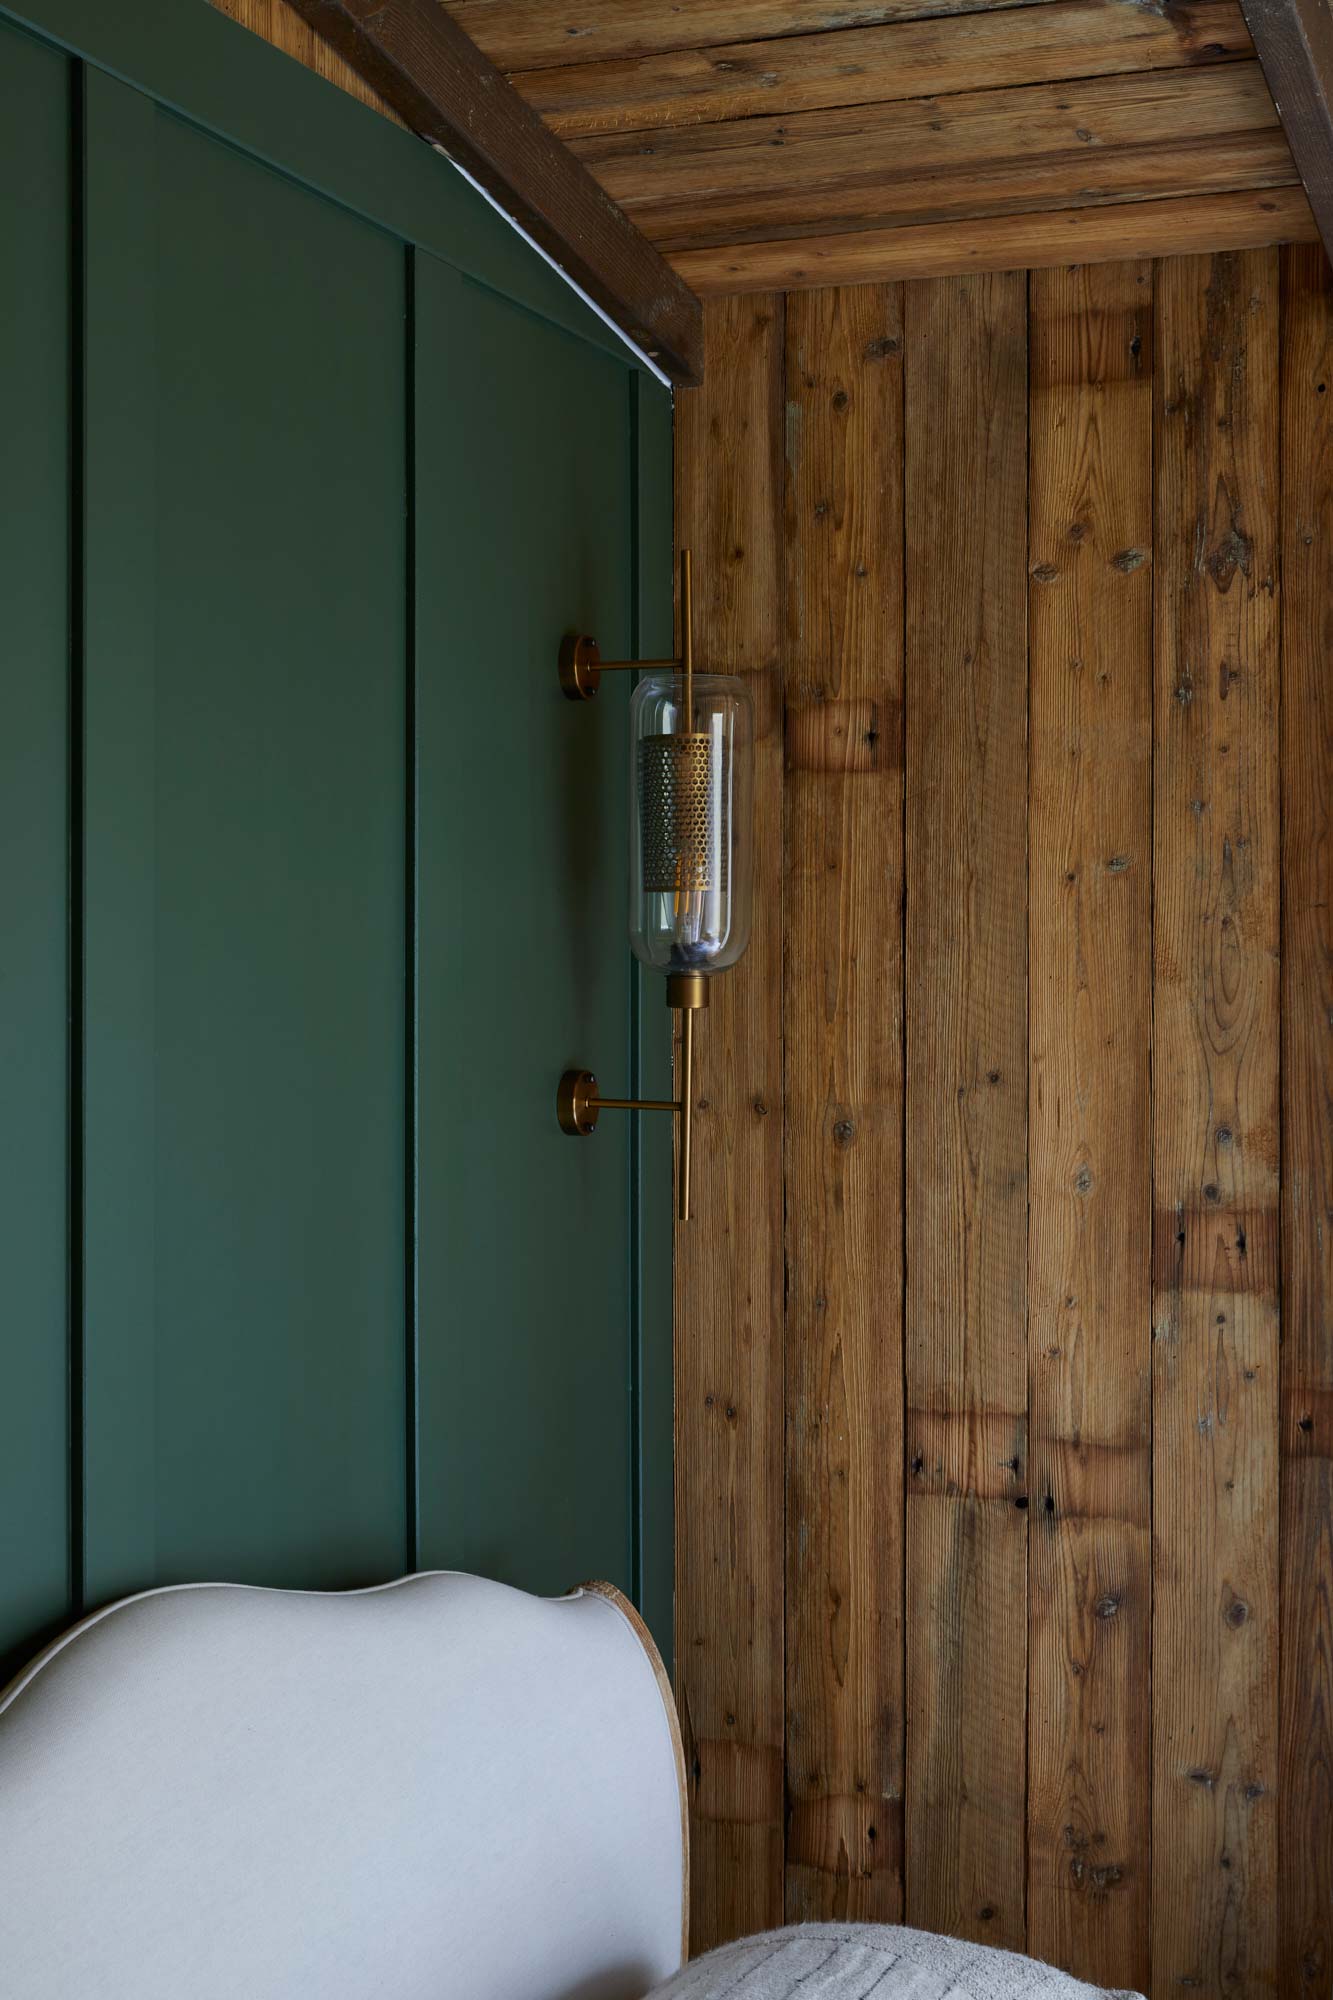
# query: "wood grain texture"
984,152
528,34
966,1105
1215,1128
729,1281
1305,1831
1093,1468
1294,39
879,65
843,1102
415,57
1239,221
788,202
1090,1223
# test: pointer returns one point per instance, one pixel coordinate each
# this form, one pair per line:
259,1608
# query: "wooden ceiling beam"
1294,39
426,69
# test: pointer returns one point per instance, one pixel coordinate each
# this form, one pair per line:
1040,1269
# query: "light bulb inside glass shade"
690,838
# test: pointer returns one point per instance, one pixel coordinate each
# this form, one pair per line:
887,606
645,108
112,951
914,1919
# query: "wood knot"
843,1133
1233,552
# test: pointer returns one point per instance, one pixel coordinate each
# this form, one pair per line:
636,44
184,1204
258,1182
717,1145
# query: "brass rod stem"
687,634
635,1103
686,1106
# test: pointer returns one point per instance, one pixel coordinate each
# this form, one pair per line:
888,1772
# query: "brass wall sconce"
691,742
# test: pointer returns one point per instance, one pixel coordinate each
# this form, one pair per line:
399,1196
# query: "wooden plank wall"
1005,1330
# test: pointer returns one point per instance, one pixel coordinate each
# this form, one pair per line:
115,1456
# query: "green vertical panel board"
34,556
263,872
654,1439
119,840
523,463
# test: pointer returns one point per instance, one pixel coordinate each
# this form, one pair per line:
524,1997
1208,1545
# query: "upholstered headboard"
442,1789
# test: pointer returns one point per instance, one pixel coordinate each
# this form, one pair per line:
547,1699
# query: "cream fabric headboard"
442,1789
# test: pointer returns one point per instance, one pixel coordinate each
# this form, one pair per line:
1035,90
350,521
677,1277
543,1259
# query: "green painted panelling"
267,878
34,590
327,528
187,55
119,588
523,531
282,830
652,1281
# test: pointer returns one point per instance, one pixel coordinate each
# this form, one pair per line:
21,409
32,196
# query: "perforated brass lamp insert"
691,739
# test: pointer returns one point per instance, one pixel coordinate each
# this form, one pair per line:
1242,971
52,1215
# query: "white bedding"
861,1961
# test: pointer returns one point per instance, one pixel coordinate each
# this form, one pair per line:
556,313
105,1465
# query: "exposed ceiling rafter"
440,84
1294,42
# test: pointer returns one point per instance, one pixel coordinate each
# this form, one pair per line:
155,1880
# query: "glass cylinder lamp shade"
690,834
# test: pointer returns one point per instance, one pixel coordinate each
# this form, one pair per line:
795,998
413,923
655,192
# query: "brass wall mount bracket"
582,665
579,1102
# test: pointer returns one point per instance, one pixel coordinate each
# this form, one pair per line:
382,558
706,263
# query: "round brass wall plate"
580,659
576,1103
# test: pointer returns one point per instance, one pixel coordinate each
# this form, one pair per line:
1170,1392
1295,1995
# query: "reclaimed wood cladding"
1215,1124
1305,1785
843,1089
965,975
985,1619
1089,1075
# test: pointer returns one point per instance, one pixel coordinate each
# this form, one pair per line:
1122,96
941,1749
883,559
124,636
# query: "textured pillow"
858,1961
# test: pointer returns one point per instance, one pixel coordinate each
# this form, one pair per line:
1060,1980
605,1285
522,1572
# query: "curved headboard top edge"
72,1633
478,1596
